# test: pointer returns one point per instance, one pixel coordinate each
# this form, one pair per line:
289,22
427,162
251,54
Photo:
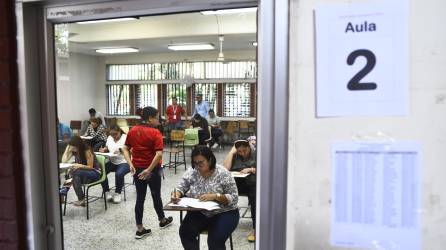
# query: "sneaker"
166,222
252,236
108,196
215,145
64,190
80,203
117,198
143,233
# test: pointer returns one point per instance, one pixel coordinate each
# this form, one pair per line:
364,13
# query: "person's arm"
126,153
228,160
67,154
182,188
90,161
230,193
155,162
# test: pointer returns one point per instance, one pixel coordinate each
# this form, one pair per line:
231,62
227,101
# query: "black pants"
216,133
219,229
247,187
154,182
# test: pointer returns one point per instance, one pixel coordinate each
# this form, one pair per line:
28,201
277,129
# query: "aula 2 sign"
362,60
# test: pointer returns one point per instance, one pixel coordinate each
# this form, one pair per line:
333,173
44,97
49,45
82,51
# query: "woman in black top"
203,133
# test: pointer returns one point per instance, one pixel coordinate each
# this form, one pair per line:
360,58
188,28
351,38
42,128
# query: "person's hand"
145,175
253,170
207,197
246,171
233,150
175,197
132,169
75,166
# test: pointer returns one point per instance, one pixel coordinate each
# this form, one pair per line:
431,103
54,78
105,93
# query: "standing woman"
97,131
208,182
115,142
85,168
146,144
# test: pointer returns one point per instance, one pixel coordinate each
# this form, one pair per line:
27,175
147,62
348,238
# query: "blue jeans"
219,229
121,170
83,176
154,182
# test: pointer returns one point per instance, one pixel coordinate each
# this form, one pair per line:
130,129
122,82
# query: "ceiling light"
108,20
254,44
117,50
191,46
228,11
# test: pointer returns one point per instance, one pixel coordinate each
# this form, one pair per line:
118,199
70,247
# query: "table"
236,174
168,207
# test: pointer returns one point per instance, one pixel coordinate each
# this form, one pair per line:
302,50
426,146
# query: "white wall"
310,138
78,87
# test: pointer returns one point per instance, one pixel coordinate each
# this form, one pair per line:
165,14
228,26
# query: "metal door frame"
273,28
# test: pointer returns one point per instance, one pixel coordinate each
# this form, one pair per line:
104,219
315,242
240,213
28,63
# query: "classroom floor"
115,228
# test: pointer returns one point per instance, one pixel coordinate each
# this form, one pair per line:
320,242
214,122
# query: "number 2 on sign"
354,83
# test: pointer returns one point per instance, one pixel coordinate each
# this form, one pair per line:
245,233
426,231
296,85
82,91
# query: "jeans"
96,145
83,176
219,229
247,187
121,170
154,183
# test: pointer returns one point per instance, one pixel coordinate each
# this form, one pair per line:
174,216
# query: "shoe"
252,236
215,145
108,196
80,203
166,222
117,198
64,190
143,233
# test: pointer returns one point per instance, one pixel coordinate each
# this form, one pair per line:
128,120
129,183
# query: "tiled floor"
115,228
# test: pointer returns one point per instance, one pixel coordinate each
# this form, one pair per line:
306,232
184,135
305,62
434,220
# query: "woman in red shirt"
146,143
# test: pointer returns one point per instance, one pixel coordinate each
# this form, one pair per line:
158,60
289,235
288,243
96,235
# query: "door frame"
273,28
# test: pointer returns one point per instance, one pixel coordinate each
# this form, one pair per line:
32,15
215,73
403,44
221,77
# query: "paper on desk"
86,137
109,154
196,203
236,174
64,165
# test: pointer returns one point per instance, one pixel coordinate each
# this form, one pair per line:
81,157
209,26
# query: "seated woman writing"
208,182
97,131
115,142
202,124
85,168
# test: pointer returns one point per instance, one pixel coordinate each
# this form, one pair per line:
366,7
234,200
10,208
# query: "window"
209,92
237,99
118,101
177,90
146,95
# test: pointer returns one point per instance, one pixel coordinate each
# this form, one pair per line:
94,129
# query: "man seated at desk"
242,158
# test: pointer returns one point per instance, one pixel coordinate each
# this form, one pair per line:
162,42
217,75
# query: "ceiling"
152,34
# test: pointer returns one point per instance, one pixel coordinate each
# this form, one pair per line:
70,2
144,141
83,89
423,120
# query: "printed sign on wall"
362,60
375,190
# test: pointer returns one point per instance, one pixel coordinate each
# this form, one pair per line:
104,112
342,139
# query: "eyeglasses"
199,163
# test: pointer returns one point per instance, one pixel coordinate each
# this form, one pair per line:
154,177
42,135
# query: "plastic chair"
86,187
191,137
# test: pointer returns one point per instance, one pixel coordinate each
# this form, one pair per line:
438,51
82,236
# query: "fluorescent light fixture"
228,11
254,44
191,46
108,20
117,50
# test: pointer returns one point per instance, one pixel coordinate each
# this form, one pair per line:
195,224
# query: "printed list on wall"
362,59
376,195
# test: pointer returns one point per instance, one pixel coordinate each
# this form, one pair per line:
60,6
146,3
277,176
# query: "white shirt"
113,147
213,121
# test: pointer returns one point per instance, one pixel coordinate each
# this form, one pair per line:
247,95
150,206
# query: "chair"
176,139
206,232
86,187
191,137
76,125
209,140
